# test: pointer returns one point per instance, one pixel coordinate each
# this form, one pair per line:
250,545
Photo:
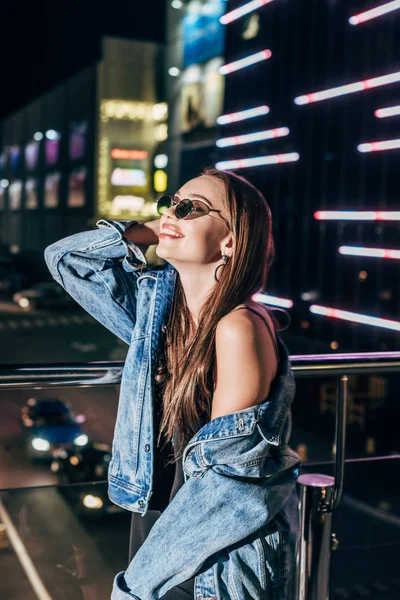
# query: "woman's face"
206,237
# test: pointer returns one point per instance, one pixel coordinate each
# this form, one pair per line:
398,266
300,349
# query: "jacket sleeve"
209,513
99,270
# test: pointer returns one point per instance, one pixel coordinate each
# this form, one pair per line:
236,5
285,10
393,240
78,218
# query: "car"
87,467
44,295
49,424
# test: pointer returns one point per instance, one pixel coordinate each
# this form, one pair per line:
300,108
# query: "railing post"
319,496
313,556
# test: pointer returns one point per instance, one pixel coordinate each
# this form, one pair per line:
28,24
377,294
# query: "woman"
205,373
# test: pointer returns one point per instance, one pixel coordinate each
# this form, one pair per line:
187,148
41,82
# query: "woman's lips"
170,237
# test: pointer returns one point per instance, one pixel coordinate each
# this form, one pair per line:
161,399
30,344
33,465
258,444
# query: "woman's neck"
197,285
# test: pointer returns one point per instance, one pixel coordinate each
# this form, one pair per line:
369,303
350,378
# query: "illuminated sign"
51,186
31,155
31,194
132,111
127,203
15,158
160,181
77,140
76,188
52,149
203,34
135,177
15,194
202,95
129,154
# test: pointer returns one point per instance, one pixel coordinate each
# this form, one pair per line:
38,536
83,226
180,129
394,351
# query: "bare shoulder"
246,322
245,362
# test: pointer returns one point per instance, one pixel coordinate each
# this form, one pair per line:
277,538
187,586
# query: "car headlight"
81,440
92,501
40,444
55,467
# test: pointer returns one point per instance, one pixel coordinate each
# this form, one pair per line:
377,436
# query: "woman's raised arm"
99,270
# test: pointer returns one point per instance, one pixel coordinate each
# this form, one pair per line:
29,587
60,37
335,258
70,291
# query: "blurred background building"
310,115
84,150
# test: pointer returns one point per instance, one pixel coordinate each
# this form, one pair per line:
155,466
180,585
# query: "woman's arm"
99,270
143,233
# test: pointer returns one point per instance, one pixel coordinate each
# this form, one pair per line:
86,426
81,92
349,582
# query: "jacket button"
141,503
163,328
147,448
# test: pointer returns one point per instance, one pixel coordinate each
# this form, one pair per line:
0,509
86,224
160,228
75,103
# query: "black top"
163,477
168,478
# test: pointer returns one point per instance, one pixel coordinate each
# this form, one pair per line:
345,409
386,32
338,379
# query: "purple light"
243,10
369,252
390,111
379,146
273,300
373,13
357,215
252,137
272,159
350,88
250,113
245,62
335,313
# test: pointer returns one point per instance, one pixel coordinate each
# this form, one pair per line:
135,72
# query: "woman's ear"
227,245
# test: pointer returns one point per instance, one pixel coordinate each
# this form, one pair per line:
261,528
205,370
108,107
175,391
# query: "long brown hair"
185,369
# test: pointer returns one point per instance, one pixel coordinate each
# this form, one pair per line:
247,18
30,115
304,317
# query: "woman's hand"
145,234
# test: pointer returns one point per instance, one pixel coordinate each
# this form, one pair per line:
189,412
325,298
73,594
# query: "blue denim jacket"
234,523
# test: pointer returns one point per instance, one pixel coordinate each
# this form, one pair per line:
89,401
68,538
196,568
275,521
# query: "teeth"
167,231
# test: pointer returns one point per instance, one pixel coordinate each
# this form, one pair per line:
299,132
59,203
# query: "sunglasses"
185,208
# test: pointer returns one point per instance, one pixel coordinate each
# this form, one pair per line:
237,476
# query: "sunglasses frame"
192,209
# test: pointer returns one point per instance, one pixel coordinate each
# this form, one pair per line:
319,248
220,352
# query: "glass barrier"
67,541
71,540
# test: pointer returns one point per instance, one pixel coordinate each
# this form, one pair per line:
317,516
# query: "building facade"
84,150
310,97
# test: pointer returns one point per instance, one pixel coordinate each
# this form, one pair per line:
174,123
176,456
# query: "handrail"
37,376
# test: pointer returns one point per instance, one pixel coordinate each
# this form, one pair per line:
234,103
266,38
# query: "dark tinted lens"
163,204
183,209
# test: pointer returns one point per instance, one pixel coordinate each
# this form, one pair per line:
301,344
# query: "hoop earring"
225,259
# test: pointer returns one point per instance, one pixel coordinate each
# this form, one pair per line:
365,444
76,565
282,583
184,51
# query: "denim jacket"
234,523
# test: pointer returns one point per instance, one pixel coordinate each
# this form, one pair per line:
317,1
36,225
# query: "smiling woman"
200,452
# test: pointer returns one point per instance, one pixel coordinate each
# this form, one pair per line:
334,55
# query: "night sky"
44,42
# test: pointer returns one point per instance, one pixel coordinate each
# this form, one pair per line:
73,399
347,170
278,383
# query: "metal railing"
320,494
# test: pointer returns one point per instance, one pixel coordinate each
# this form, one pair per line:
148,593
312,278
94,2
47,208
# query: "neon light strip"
356,215
268,134
370,252
374,12
245,62
243,10
378,146
390,111
250,113
350,88
273,300
272,159
354,317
